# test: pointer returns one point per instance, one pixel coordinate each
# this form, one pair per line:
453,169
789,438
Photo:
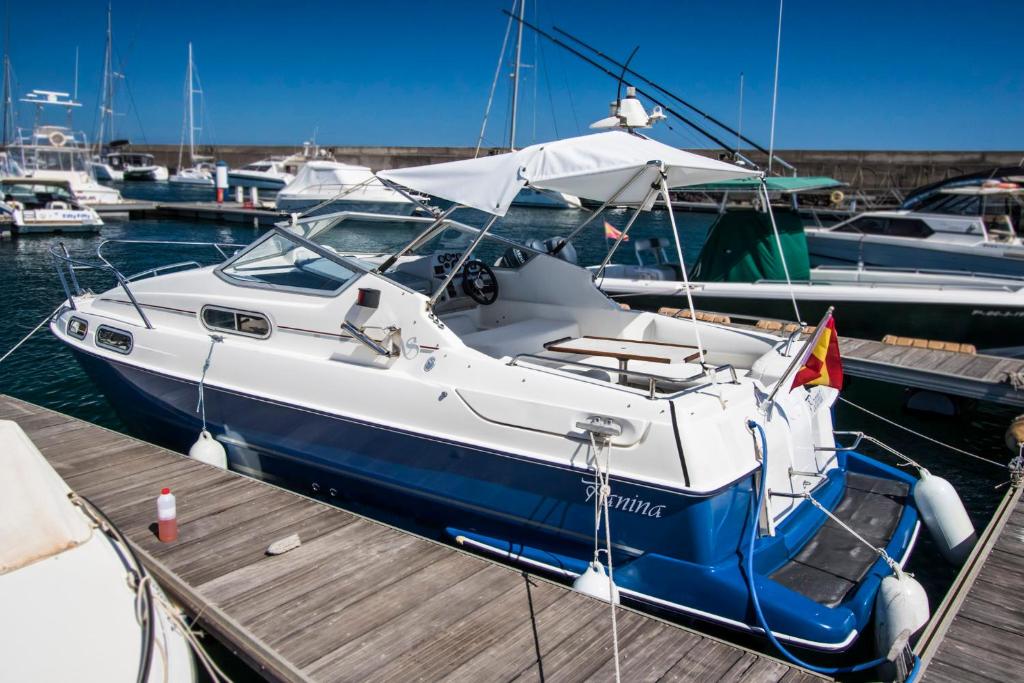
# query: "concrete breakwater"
874,171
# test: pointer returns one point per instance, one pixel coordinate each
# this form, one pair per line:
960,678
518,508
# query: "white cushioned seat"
527,336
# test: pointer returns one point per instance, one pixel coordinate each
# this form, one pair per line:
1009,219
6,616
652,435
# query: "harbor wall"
868,170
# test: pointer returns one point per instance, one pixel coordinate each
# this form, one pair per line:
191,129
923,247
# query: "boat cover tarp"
775,184
741,247
320,176
595,167
38,520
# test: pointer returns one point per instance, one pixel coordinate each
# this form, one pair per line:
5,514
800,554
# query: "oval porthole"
77,328
233,321
114,339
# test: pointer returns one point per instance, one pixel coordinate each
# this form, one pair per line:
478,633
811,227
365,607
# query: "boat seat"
525,336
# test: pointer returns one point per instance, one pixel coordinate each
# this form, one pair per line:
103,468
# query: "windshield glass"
282,262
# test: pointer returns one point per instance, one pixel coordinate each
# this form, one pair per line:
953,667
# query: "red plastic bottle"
166,517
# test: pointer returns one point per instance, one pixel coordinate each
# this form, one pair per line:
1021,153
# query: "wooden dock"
359,600
977,632
228,212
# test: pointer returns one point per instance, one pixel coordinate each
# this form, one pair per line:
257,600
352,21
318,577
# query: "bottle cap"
164,492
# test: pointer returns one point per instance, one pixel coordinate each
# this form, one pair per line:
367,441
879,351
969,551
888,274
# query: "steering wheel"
479,283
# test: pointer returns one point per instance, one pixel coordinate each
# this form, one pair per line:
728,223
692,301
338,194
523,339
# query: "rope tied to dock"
923,436
602,491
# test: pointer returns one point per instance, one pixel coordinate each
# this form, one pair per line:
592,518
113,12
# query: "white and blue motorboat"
493,393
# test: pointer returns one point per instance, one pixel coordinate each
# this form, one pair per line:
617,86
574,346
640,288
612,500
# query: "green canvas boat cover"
741,248
774,183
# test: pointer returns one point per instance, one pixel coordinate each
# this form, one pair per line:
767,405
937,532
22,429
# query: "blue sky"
867,75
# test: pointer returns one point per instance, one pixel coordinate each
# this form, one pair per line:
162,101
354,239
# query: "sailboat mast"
191,112
515,75
106,127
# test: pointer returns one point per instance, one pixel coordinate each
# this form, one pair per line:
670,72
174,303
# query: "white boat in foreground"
73,606
492,392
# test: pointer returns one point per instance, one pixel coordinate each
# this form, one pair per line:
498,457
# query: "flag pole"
796,359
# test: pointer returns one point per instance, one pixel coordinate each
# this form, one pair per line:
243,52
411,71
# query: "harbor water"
44,373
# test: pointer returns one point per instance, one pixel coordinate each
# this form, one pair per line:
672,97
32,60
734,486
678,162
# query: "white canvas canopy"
595,167
38,520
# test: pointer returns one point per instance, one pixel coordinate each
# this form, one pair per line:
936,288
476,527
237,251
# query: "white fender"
207,449
901,605
595,583
945,516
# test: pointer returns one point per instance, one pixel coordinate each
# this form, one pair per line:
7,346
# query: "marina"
299,383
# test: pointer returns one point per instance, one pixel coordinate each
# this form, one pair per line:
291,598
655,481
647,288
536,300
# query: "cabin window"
236,322
77,328
280,262
114,339
865,225
908,227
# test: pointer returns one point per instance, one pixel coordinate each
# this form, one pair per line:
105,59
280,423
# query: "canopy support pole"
419,238
622,236
682,267
462,260
778,243
595,214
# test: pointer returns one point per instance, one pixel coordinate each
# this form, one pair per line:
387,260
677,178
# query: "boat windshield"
67,159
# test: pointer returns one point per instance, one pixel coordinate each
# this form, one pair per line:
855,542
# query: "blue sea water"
42,372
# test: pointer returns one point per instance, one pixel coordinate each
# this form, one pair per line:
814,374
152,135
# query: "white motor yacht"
141,166
329,186
494,394
911,239
45,206
266,174
74,608
59,153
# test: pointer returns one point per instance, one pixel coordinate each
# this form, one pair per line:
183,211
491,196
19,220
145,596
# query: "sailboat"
529,196
201,171
113,160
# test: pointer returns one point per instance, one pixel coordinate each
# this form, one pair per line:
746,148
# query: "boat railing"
653,381
67,267
922,271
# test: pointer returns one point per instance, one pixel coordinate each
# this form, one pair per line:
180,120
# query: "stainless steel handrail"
652,380
371,344
69,280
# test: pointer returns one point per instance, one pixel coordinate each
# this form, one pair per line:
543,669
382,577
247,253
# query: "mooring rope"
601,494
201,405
29,335
923,436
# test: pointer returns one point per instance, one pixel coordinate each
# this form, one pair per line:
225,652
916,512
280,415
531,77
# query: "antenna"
775,91
75,91
739,123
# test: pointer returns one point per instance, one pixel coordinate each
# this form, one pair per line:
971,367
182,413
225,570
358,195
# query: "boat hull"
674,549
258,181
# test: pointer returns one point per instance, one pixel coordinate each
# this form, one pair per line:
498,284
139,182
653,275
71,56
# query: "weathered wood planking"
977,633
360,600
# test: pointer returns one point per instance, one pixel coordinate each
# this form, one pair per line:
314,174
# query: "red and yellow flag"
821,364
613,233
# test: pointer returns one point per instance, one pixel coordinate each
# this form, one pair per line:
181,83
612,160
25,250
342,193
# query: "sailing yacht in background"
529,196
110,161
201,170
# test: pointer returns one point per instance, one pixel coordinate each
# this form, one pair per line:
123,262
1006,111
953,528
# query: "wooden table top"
626,349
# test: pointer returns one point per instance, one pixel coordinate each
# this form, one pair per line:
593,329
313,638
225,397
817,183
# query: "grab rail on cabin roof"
652,380
66,265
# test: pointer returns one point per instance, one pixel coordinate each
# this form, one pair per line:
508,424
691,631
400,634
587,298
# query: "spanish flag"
821,364
613,233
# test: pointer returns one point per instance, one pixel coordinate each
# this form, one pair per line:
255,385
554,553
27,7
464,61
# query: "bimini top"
597,167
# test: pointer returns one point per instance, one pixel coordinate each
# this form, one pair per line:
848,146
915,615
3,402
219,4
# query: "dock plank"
359,600
978,631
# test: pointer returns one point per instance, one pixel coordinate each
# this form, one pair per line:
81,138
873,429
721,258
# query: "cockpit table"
625,350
